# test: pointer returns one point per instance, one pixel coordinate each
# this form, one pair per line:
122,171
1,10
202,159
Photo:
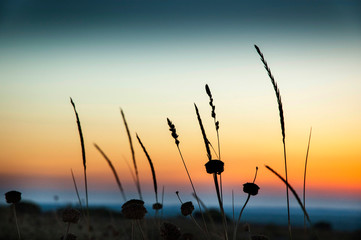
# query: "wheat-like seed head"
277,91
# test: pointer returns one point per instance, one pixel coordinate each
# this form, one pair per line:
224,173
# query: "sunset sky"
153,59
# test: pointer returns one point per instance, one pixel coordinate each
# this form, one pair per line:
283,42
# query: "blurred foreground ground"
107,224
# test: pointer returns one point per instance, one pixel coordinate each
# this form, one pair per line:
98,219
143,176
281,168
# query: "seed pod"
157,206
134,209
187,208
71,215
169,231
250,188
13,197
214,166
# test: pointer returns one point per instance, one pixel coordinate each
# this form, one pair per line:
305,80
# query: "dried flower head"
13,197
157,206
187,208
69,236
134,209
214,166
250,188
169,231
71,215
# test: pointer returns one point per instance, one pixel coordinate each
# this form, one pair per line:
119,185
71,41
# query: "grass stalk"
304,178
282,122
84,162
162,202
213,114
133,154
16,220
215,179
175,136
113,171
67,231
239,217
240,214
130,170
76,190
293,192
151,167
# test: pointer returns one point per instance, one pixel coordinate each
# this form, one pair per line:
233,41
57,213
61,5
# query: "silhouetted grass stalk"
175,136
216,125
215,179
280,108
151,168
133,155
304,178
16,219
240,214
293,192
130,170
84,162
113,171
77,192
191,216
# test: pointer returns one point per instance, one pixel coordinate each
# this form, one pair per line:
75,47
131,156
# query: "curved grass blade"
151,167
133,154
113,170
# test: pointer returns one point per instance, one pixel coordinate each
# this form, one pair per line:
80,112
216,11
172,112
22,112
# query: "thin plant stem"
297,198
16,220
151,168
132,229
214,151
240,214
239,217
304,178
162,202
194,190
113,171
293,192
140,229
67,231
130,170
175,136
133,154
287,195
215,178
282,122
195,222
205,209
76,190
84,162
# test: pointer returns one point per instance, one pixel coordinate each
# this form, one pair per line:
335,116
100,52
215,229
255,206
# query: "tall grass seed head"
187,208
71,215
214,166
169,231
250,188
134,209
